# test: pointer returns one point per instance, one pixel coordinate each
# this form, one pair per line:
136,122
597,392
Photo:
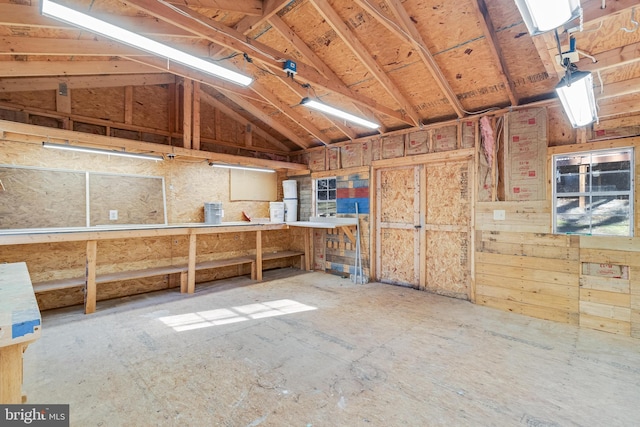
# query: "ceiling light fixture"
101,151
575,91
130,38
245,168
541,16
316,105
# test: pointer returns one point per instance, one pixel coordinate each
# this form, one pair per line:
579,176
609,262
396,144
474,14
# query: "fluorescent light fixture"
307,102
111,31
244,168
544,15
575,91
101,151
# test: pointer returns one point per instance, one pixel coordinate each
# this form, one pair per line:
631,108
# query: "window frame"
590,194
317,200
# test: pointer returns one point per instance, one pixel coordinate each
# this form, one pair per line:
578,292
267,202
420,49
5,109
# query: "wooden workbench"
20,325
94,234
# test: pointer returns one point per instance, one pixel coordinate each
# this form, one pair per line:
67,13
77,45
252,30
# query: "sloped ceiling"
400,63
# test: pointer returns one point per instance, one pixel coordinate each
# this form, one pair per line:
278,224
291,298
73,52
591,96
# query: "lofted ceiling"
400,63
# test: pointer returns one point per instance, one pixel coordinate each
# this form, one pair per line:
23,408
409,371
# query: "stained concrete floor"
315,350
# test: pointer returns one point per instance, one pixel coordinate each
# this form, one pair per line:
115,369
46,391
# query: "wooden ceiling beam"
70,68
617,57
64,47
246,7
24,16
164,65
216,32
357,48
270,8
592,10
621,88
42,133
494,46
414,38
261,115
21,84
618,108
212,101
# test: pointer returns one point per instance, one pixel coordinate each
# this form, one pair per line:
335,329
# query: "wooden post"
90,291
191,272
307,249
259,255
187,105
195,131
422,235
128,104
11,370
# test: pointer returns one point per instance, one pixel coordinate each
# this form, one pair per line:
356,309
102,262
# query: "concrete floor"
315,350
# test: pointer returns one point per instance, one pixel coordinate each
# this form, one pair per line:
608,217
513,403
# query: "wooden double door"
423,226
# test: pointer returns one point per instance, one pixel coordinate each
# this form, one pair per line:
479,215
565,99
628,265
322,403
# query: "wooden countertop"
19,314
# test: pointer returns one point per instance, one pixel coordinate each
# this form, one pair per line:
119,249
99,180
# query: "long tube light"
308,102
575,91
244,168
544,15
101,151
111,31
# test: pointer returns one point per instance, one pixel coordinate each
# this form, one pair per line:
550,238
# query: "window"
326,197
593,193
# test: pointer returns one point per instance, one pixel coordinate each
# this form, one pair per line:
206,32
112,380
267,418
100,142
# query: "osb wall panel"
448,194
45,99
133,254
532,274
447,263
526,154
35,198
48,261
100,103
225,245
137,200
151,106
398,266
398,188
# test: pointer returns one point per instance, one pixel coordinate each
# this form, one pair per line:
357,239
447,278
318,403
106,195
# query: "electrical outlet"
113,215
499,215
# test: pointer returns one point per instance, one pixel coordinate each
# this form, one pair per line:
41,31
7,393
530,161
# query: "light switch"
113,215
499,215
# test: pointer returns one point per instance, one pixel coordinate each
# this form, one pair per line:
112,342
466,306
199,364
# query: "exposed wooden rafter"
496,51
246,7
21,84
216,32
412,36
71,68
346,35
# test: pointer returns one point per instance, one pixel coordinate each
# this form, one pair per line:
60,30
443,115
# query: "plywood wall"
36,198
